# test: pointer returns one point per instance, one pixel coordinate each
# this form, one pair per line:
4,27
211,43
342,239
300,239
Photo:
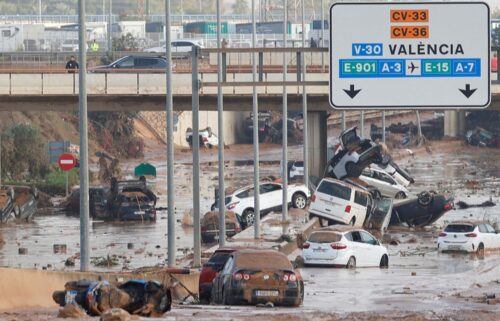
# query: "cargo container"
205,27
264,27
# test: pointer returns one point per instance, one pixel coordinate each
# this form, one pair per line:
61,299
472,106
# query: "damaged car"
344,246
140,297
210,226
339,202
258,276
17,203
353,155
387,185
422,210
131,201
399,174
482,138
207,138
98,202
241,201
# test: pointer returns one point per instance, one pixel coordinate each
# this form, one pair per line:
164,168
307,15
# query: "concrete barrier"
23,288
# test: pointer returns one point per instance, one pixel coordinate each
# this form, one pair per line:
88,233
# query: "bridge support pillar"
454,123
317,136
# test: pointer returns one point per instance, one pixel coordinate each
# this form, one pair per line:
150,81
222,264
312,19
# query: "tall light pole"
40,11
170,141
304,99
255,111
284,133
110,25
84,146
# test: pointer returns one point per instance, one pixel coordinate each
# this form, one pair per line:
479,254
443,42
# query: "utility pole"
84,146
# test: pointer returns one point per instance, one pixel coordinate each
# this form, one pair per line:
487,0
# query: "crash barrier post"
84,146
195,51
170,142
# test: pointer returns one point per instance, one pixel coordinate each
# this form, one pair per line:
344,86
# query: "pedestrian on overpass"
94,46
72,65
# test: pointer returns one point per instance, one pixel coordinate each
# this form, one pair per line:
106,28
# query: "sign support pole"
84,145
67,184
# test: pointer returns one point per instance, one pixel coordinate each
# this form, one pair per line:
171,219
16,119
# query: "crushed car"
399,174
140,297
353,155
98,202
258,277
131,201
264,122
210,226
482,138
17,203
207,138
384,182
344,246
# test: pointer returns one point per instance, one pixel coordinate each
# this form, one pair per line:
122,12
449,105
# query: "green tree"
24,152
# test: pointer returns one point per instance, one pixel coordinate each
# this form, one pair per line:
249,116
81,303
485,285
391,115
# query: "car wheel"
384,262
351,264
299,200
400,195
425,198
249,216
480,250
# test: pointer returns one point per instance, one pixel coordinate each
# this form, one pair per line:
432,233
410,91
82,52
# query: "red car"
210,271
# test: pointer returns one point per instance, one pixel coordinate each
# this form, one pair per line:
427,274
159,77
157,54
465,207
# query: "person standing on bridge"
94,46
72,65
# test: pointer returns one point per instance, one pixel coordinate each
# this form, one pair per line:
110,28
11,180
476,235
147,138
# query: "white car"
297,169
340,202
179,47
271,195
469,236
207,137
344,246
400,175
353,155
384,182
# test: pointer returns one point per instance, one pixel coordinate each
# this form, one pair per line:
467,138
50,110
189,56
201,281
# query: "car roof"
468,222
345,184
241,189
230,249
339,228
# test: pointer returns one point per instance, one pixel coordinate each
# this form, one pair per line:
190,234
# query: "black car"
135,64
131,201
17,202
423,210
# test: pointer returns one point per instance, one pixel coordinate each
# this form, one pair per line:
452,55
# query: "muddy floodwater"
418,279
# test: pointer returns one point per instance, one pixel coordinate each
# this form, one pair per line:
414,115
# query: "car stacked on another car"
469,236
386,184
344,246
258,276
241,201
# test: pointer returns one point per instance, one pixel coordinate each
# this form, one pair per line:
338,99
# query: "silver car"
384,182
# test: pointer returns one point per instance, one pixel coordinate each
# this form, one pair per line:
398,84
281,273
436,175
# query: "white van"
340,202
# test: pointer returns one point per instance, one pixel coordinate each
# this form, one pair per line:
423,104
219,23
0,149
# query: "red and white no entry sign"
66,161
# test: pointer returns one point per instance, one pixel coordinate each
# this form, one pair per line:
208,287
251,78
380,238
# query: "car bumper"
457,247
334,261
286,297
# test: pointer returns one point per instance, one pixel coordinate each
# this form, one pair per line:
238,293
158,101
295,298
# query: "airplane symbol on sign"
412,67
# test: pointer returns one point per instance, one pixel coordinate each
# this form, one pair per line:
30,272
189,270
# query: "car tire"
351,264
249,216
384,262
480,250
400,195
425,198
299,200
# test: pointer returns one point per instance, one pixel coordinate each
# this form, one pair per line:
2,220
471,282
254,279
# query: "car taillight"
448,206
238,276
348,209
306,245
442,234
232,205
338,246
237,228
313,198
289,277
471,234
246,277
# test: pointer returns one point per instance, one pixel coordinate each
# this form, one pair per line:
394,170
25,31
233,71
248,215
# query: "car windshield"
217,261
262,261
459,228
299,164
324,237
382,206
333,189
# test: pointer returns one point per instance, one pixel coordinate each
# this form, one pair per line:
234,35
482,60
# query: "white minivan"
340,202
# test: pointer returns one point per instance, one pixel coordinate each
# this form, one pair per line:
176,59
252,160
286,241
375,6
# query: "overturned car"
144,298
17,203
